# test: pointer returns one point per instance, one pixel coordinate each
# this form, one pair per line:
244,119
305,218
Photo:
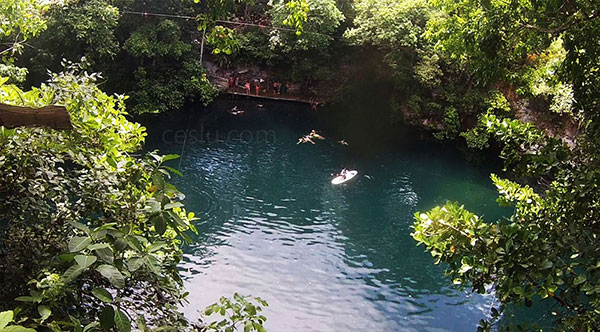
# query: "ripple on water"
326,258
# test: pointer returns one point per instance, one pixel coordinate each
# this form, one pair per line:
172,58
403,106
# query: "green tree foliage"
396,28
521,42
451,125
314,23
153,59
542,79
237,312
169,72
90,223
305,35
297,15
89,24
223,40
91,228
19,21
6,320
428,87
94,229
457,59
547,250
149,41
390,24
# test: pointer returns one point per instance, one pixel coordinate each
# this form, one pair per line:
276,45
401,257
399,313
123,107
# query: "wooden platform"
269,97
222,84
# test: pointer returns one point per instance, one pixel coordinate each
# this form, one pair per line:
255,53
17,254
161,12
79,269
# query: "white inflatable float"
341,179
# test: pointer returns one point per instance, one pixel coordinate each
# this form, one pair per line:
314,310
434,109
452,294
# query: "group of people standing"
258,86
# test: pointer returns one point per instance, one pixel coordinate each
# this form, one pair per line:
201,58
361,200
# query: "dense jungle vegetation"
92,229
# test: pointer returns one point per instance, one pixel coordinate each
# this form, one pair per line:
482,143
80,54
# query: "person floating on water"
309,137
236,111
305,139
343,142
343,176
314,134
343,173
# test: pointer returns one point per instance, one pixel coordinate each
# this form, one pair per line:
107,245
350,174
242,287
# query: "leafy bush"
13,73
239,310
254,47
159,92
476,138
314,22
542,79
545,251
93,228
451,124
525,148
496,102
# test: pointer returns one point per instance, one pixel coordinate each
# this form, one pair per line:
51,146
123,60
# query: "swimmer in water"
305,139
316,135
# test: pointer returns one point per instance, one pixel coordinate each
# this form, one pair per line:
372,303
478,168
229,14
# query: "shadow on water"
326,258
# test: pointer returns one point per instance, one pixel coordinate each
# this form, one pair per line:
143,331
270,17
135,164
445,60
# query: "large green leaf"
160,224
106,254
85,261
135,263
169,206
79,226
120,244
134,243
44,312
122,321
152,264
173,170
73,272
79,243
169,157
112,274
17,328
91,326
107,317
5,318
103,295
156,246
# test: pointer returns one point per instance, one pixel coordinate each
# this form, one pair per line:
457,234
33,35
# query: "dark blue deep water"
326,258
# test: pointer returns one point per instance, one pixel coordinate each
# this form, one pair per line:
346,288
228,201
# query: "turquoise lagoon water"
326,258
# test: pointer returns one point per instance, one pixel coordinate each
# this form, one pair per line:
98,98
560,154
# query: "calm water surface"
326,258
